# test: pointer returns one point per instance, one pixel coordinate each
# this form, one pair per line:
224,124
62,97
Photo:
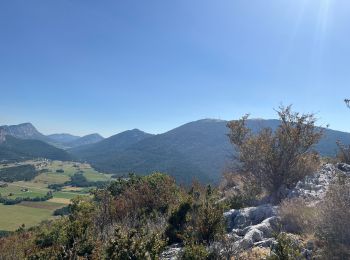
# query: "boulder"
172,252
242,218
344,167
257,235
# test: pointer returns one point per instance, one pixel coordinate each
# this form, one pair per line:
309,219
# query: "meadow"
27,213
52,172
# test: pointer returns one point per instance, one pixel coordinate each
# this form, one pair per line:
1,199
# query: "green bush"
287,248
177,223
195,252
136,245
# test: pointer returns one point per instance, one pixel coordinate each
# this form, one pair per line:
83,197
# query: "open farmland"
27,213
50,172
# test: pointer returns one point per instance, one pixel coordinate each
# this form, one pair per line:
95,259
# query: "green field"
29,214
32,213
14,190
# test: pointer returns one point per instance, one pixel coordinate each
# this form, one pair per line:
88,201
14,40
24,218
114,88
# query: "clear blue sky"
87,66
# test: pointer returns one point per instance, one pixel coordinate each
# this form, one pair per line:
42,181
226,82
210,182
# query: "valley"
34,207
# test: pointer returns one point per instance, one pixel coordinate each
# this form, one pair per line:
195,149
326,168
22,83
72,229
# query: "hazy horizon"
83,67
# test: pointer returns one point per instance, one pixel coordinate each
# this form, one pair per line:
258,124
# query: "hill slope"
63,138
115,143
198,149
12,148
85,140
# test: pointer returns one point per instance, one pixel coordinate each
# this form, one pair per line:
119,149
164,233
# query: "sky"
88,66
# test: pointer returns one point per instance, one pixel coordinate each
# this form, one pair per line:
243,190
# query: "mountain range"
197,150
28,131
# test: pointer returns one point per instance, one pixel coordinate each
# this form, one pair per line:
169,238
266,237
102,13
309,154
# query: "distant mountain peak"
23,131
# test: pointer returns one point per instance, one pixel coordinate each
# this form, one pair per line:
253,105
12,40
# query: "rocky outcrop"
313,188
256,226
252,226
172,253
23,131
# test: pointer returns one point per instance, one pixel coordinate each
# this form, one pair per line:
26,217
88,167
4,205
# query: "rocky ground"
255,226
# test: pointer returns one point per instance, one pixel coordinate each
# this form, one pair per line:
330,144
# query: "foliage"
287,248
297,217
198,220
195,252
177,222
206,222
240,190
69,237
62,211
333,225
137,245
18,173
9,201
131,219
14,149
280,158
142,196
343,154
56,186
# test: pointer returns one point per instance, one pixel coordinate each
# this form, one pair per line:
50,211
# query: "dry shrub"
153,193
277,158
343,154
240,190
255,253
334,222
297,217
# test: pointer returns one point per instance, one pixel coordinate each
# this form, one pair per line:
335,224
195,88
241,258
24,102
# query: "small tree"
279,158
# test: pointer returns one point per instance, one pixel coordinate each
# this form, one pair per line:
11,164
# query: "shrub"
137,245
297,217
205,219
207,222
239,190
280,158
177,222
79,180
334,221
62,211
56,187
343,154
287,248
142,196
254,254
195,252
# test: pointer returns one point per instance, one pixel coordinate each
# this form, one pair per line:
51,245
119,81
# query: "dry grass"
297,217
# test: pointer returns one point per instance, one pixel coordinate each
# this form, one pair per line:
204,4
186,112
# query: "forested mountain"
108,146
14,149
198,150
